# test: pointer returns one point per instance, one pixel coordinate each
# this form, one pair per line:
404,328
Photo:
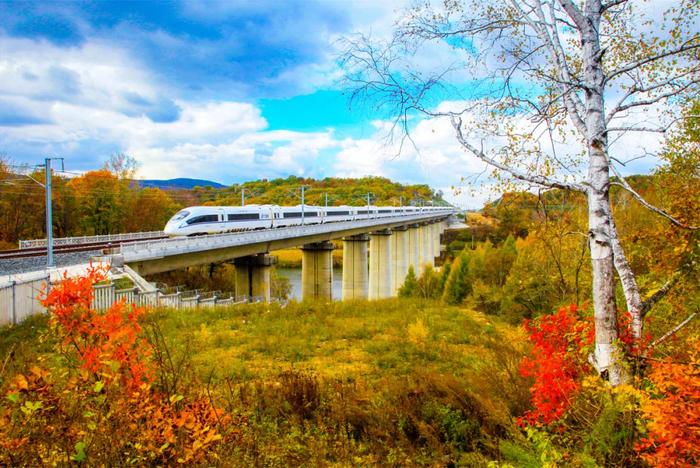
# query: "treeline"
109,200
337,191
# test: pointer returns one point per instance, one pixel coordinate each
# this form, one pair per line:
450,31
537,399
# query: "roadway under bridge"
377,254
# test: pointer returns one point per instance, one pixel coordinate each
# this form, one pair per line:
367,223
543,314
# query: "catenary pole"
49,217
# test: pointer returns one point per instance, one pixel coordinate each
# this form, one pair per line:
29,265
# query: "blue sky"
227,91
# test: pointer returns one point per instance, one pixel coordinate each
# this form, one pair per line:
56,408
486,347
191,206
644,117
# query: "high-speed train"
198,220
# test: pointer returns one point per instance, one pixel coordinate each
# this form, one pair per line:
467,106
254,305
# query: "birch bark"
606,358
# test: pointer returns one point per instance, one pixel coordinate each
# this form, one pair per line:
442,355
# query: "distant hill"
181,183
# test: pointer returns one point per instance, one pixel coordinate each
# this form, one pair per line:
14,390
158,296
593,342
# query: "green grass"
336,340
119,283
394,382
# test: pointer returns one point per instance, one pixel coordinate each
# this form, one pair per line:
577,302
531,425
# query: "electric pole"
242,196
49,211
49,217
303,187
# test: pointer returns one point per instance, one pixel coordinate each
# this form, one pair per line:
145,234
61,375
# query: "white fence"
19,300
105,295
129,236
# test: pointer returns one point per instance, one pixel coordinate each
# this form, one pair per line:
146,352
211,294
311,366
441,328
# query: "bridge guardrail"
61,241
134,251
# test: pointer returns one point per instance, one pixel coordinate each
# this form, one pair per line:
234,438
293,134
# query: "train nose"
170,229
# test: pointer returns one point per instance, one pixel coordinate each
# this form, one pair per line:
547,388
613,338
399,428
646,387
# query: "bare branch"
685,47
674,330
612,4
647,102
574,13
621,182
652,300
520,175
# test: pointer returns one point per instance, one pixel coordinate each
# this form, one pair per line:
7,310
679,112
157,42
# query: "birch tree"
553,84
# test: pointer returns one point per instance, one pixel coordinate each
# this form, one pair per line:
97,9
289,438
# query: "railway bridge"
377,254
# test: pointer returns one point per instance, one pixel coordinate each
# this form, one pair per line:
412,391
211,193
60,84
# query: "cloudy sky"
227,91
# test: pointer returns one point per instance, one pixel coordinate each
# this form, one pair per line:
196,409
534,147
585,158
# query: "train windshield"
180,215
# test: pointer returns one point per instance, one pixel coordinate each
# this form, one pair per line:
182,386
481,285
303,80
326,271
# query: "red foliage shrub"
109,344
104,410
557,362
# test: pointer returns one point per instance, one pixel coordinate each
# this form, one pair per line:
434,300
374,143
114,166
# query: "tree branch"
652,300
574,13
647,102
520,175
685,47
674,330
612,4
624,184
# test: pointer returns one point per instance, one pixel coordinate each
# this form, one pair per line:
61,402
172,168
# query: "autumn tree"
102,205
556,81
151,209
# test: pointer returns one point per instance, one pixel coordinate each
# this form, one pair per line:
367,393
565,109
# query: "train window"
311,213
362,212
243,216
180,215
203,219
385,211
338,213
294,214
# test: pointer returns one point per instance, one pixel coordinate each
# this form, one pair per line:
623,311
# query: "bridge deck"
151,256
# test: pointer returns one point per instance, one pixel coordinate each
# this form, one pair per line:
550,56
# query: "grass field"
394,382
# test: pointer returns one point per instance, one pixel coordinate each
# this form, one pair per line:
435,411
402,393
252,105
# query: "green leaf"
99,385
79,455
13,397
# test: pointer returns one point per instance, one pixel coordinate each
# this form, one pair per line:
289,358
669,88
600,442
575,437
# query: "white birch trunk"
606,358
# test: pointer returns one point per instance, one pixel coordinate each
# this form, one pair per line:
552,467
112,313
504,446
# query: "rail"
135,251
129,236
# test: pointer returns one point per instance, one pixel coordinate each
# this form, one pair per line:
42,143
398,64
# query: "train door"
222,215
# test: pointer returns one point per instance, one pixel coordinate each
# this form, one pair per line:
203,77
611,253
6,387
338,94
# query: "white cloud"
99,93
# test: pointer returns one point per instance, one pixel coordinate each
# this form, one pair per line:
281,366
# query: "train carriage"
199,220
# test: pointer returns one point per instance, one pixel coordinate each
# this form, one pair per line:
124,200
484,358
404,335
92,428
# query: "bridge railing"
61,241
173,246
105,295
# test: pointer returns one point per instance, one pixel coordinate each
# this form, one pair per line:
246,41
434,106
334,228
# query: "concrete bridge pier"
400,249
414,248
424,248
253,277
436,239
380,264
317,271
355,267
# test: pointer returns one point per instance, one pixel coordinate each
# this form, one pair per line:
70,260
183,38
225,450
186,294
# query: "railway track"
41,251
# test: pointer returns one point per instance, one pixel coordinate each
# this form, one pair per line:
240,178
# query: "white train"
198,220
